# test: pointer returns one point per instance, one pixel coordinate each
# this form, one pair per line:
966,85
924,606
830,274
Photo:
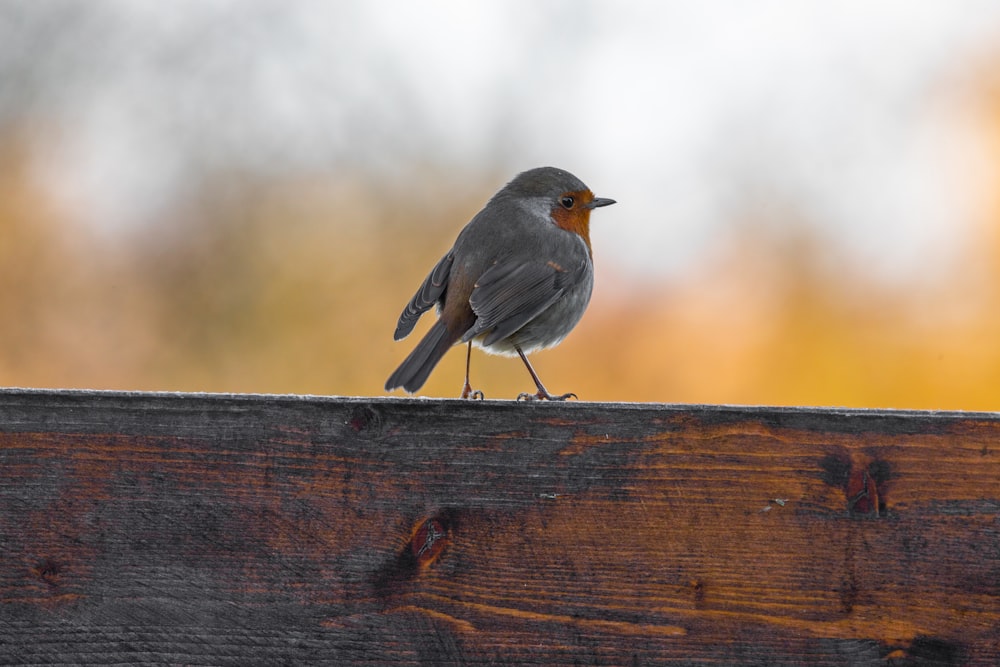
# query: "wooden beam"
222,529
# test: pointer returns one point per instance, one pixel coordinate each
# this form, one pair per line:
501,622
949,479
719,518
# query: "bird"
517,280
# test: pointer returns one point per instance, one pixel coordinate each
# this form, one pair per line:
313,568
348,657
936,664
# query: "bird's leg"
543,394
467,390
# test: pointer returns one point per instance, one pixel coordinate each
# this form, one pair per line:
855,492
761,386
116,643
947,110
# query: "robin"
517,279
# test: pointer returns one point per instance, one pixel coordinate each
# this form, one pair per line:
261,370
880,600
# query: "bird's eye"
567,202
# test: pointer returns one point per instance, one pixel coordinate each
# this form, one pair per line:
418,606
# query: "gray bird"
517,280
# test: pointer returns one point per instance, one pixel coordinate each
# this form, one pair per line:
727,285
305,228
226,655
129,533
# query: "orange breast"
576,219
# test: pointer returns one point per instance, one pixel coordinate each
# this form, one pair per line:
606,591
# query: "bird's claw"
544,396
474,394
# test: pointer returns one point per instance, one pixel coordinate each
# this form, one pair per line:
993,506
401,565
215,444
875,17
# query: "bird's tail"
415,369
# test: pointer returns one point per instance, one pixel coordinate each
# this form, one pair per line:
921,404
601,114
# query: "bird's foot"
543,395
469,392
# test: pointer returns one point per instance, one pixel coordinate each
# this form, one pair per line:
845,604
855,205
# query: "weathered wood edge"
109,395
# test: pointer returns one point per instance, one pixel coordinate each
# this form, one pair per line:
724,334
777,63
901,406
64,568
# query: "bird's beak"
597,202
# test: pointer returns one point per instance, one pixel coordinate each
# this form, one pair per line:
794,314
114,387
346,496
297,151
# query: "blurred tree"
284,257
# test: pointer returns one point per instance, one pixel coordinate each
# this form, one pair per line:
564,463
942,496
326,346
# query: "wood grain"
234,530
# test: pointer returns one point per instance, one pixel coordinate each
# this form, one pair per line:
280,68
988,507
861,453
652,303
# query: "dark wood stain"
220,529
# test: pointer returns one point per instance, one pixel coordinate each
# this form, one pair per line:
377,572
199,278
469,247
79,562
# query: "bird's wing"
428,294
510,294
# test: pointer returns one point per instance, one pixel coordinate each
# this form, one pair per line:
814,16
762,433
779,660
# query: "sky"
852,118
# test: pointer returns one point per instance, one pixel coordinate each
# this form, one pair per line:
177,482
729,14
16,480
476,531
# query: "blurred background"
205,195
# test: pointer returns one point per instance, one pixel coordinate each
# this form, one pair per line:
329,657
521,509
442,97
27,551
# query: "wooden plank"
211,529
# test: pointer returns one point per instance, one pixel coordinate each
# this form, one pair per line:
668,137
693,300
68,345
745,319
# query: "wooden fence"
234,530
